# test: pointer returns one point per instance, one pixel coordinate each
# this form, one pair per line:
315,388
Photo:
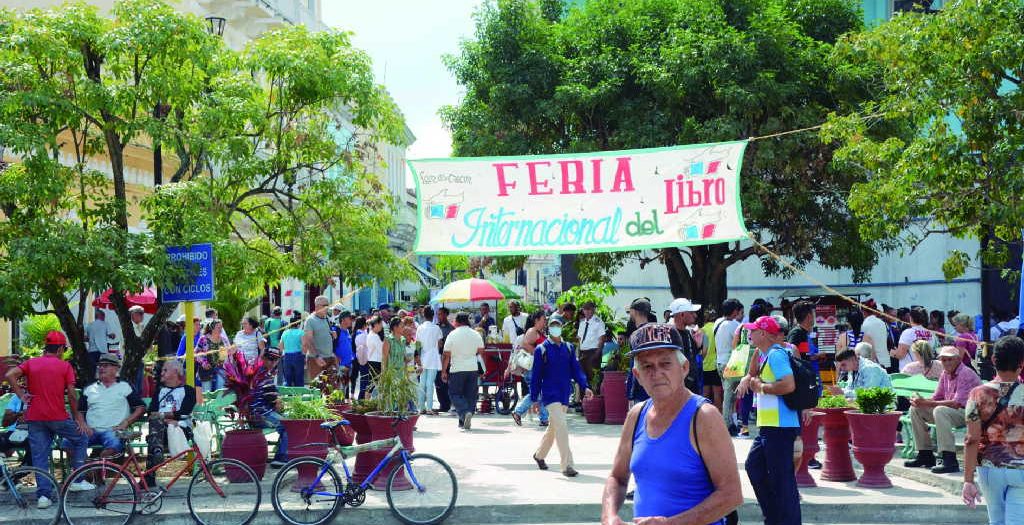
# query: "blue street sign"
197,260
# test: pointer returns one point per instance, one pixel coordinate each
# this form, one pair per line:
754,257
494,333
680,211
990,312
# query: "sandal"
518,419
541,464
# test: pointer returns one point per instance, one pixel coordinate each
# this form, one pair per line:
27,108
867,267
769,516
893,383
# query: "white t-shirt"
107,406
593,329
429,336
724,331
875,328
374,347
249,344
508,327
908,337
463,344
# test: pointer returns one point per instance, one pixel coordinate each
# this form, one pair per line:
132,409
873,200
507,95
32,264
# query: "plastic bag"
737,365
202,435
176,441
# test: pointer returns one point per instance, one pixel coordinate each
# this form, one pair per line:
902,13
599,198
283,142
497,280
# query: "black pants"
441,389
156,444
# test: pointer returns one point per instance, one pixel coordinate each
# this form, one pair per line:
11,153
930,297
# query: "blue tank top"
670,475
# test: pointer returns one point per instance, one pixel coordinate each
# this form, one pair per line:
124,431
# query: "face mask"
555,331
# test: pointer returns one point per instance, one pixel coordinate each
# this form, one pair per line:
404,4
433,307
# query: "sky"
406,40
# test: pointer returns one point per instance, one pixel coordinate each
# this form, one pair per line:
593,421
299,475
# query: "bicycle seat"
329,425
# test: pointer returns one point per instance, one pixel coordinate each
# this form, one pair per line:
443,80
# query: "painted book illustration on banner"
577,203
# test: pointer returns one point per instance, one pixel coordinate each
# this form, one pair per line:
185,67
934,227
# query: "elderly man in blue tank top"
675,444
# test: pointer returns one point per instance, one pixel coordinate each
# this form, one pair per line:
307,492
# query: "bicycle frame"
132,461
12,486
397,448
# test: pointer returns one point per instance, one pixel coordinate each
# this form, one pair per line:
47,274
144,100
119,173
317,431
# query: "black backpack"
808,385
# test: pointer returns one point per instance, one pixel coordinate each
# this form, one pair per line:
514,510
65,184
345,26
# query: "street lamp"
216,25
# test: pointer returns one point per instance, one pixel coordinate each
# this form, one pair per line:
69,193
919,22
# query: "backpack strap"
1000,406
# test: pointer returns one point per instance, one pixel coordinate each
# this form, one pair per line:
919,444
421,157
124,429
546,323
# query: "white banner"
578,203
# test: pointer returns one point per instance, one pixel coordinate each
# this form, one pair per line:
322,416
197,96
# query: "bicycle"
22,498
216,495
421,490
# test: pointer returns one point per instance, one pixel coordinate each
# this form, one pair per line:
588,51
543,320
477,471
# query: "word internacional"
577,203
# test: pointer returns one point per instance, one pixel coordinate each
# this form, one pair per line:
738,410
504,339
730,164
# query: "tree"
614,75
266,167
951,81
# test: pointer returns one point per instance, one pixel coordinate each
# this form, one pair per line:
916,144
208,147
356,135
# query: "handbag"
202,434
738,360
176,440
523,359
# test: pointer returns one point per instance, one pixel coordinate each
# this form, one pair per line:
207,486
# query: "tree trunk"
135,347
704,280
75,333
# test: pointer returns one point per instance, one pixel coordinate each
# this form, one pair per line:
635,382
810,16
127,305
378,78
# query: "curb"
951,485
511,513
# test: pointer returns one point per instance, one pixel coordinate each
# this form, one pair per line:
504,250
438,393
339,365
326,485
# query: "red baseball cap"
766,323
56,338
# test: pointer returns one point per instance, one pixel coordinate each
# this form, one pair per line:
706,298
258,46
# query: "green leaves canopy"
950,89
270,154
620,75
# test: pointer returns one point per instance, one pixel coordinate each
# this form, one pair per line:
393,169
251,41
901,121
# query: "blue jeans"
99,438
527,400
425,390
1003,492
273,420
40,438
770,469
295,369
462,389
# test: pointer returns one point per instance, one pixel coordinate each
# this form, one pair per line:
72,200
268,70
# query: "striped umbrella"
467,290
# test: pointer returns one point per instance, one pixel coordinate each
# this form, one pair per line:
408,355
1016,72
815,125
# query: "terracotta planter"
381,427
838,466
247,446
874,442
593,409
809,437
364,462
305,438
613,390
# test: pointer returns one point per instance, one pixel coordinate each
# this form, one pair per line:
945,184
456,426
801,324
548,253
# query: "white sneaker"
81,486
43,503
467,422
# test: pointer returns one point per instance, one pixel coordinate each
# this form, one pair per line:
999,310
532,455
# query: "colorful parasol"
146,299
468,290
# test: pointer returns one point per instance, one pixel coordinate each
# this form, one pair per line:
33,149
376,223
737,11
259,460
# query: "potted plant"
593,408
838,466
874,434
613,387
337,401
396,395
246,443
809,440
356,416
305,436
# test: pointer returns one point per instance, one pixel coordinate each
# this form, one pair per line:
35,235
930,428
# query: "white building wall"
899,279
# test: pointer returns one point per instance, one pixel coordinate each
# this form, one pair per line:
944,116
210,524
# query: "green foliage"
395,391
337,396
313,408
947,140
829,400
591,291
35,328
875,400
294,192
611,75
365,406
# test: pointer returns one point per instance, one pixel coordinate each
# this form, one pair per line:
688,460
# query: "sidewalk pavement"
500,483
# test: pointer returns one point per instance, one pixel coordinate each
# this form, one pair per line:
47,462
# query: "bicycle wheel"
228,492
293,497
430,499
19,499
113,500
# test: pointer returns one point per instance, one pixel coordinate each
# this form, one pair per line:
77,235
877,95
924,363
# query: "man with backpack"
770,462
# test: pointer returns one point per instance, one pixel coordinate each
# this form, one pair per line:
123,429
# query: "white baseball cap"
682,305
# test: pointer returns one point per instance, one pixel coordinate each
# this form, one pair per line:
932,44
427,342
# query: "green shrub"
875,400
832,401
315,408
35,328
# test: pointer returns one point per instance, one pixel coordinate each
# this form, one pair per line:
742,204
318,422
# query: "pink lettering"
572,184
504,185
623,176
535,184
596,166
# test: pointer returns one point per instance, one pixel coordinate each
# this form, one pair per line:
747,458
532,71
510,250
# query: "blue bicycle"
421,489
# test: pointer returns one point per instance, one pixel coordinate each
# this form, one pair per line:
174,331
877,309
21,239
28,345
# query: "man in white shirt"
515,323
876,333
461,349
589,329
429,336
725,328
